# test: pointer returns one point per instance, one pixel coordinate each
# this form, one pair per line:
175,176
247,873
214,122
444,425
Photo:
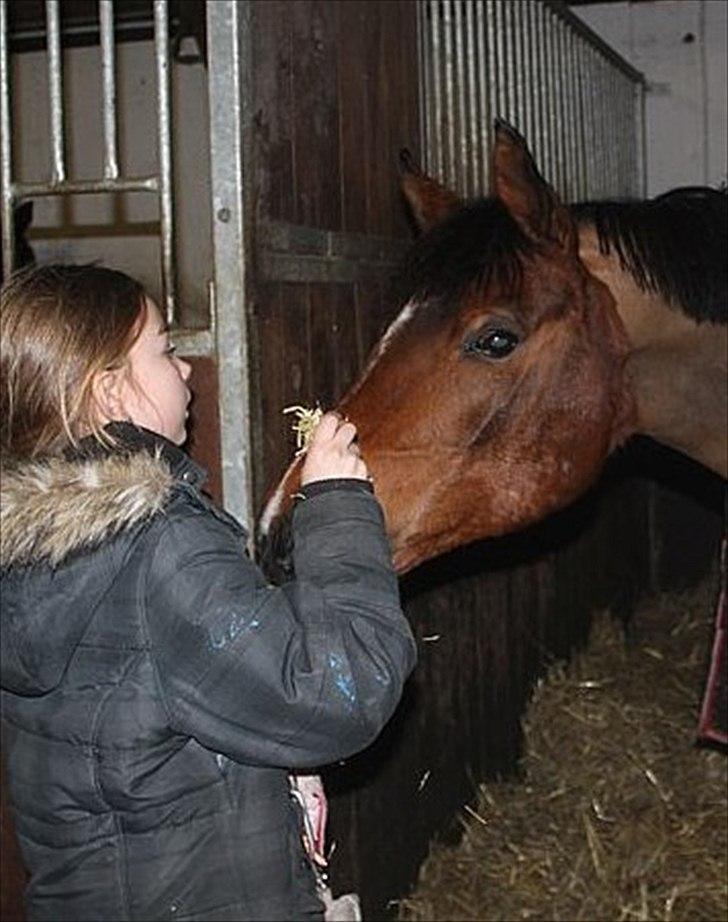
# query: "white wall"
687,101
119,230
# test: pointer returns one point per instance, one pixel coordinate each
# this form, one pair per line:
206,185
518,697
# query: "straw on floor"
618,816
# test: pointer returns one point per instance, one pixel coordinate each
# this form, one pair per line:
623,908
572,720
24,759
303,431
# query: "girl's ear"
108,394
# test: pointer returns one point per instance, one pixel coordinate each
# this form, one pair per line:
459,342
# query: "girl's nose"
185,369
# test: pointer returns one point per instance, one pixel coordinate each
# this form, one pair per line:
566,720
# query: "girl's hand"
332,452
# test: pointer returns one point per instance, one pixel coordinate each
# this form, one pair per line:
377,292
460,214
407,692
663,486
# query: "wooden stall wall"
334,98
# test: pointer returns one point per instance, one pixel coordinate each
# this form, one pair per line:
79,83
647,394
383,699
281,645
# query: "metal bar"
603,129
545,82
193,342
598,124
507,80
556,162
541,103
501,60
615,146
228,42
564,108
484,132
627,129
631,120
461,168
449,172
164,141
641,153
563,101
527,76
608,128
473,100
436,165
567,129
595,137
514,76
630,129
424,90
561,9
106,25
6,151
625,133
589,91
55,89
84,187
578,119
535,64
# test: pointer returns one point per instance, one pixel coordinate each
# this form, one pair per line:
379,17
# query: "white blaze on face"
272,508
404,317
275,503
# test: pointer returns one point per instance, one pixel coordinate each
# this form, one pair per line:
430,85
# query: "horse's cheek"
619,408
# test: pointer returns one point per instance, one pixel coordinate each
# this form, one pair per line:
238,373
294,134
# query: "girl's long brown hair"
59,327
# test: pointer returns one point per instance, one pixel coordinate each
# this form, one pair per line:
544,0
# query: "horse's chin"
414,553
407,559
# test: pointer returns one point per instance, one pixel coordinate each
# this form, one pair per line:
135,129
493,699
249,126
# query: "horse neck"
676,366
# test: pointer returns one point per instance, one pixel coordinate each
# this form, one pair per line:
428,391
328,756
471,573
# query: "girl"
156,690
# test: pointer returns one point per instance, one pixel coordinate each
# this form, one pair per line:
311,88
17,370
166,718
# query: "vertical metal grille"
160,184
532,62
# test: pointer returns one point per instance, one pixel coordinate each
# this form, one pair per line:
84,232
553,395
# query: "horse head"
498,391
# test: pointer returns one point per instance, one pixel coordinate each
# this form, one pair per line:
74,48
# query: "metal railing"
534,63
225,339
12,192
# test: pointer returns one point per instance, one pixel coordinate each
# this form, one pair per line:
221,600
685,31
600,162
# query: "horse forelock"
478,244
674,245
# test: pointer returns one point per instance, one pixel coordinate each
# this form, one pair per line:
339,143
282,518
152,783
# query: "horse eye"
494,344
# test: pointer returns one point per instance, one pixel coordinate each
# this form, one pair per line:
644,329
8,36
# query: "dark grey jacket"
156,690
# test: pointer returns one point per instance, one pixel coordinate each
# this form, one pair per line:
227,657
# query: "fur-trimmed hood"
66,525
50,509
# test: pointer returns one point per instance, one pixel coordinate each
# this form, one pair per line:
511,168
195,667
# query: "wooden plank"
315,113
273,106
204,444
373,122
406,118
352,23
282,371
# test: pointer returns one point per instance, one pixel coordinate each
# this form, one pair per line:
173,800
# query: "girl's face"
155,394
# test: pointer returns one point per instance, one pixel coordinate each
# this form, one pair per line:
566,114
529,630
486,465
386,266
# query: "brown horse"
533,340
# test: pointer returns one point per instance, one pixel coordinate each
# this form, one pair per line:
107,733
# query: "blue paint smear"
236,625
343,680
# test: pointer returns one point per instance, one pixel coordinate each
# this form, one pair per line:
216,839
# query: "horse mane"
674,244
478,243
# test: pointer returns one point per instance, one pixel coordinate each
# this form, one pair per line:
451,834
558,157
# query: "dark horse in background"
533,340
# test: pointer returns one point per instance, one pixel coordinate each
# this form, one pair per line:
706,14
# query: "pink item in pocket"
309,792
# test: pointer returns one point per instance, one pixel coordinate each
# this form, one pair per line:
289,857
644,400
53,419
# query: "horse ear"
532,202
429,202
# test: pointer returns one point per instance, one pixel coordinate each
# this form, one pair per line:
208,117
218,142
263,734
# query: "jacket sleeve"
297,676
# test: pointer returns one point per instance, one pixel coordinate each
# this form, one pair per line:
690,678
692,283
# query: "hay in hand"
306,422
619,815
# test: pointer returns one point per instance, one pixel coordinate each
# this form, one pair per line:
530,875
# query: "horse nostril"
275,550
